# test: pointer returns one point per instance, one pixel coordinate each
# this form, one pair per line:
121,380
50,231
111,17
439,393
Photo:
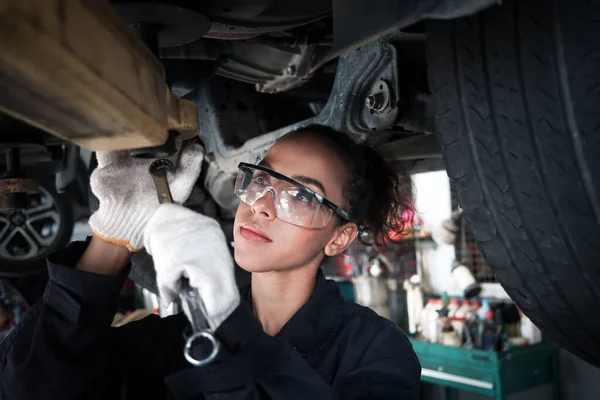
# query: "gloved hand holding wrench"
183,244
127,195
167,277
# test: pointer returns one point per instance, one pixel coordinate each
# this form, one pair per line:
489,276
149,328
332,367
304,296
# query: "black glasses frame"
336,209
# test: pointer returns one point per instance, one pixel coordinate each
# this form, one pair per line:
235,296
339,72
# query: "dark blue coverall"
65,348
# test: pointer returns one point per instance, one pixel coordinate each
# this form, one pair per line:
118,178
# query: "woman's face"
288,246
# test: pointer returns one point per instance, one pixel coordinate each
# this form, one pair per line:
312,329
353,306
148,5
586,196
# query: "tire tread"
519,154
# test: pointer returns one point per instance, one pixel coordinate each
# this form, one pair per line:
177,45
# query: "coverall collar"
316,323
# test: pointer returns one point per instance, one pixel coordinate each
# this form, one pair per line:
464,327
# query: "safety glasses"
294,202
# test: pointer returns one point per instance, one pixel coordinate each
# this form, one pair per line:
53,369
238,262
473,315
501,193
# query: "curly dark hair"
377,191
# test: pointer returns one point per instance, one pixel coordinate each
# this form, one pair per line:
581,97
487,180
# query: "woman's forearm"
104,258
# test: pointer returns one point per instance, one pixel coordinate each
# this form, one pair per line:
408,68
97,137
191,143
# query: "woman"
289,335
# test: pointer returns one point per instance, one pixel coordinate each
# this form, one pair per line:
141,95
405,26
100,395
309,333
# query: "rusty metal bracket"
16,185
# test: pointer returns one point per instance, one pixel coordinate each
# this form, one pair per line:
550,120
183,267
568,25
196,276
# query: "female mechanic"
289,335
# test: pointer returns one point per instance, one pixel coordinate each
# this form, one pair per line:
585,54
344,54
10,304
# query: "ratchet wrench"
188,295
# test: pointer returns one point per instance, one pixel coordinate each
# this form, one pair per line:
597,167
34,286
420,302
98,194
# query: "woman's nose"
265,205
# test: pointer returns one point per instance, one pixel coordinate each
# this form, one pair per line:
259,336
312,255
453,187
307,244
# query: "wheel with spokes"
28,236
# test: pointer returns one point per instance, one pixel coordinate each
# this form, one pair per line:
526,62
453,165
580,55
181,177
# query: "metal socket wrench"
158,170
188,295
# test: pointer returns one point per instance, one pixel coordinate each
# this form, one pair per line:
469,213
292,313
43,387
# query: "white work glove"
186,244
128,196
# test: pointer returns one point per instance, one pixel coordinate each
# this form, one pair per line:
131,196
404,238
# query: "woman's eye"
303,197
261,180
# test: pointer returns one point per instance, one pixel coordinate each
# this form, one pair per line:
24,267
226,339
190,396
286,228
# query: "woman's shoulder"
362,322
371,339
355,313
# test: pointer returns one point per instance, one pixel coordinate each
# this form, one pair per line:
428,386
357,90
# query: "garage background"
578,379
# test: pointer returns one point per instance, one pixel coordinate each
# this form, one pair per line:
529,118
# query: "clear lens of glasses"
293,204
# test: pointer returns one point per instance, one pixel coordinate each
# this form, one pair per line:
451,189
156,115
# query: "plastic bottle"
483,310
448,336
414,303
501,336
469,311
452,308
475,305
439,304
420,319
458,322
529,331
424,319
445,299
433,321
467,337
488,335
441,310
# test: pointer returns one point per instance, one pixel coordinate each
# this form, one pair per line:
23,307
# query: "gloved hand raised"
184,243
127,194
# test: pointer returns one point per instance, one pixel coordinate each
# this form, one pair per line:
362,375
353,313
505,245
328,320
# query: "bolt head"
17,219
376,101
291,70
370,101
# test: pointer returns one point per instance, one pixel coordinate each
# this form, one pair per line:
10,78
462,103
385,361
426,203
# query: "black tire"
517,91
13,268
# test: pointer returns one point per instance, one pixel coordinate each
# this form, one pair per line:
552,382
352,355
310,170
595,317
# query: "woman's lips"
253,235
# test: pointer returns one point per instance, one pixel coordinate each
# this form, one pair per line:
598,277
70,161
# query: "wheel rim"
26,234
